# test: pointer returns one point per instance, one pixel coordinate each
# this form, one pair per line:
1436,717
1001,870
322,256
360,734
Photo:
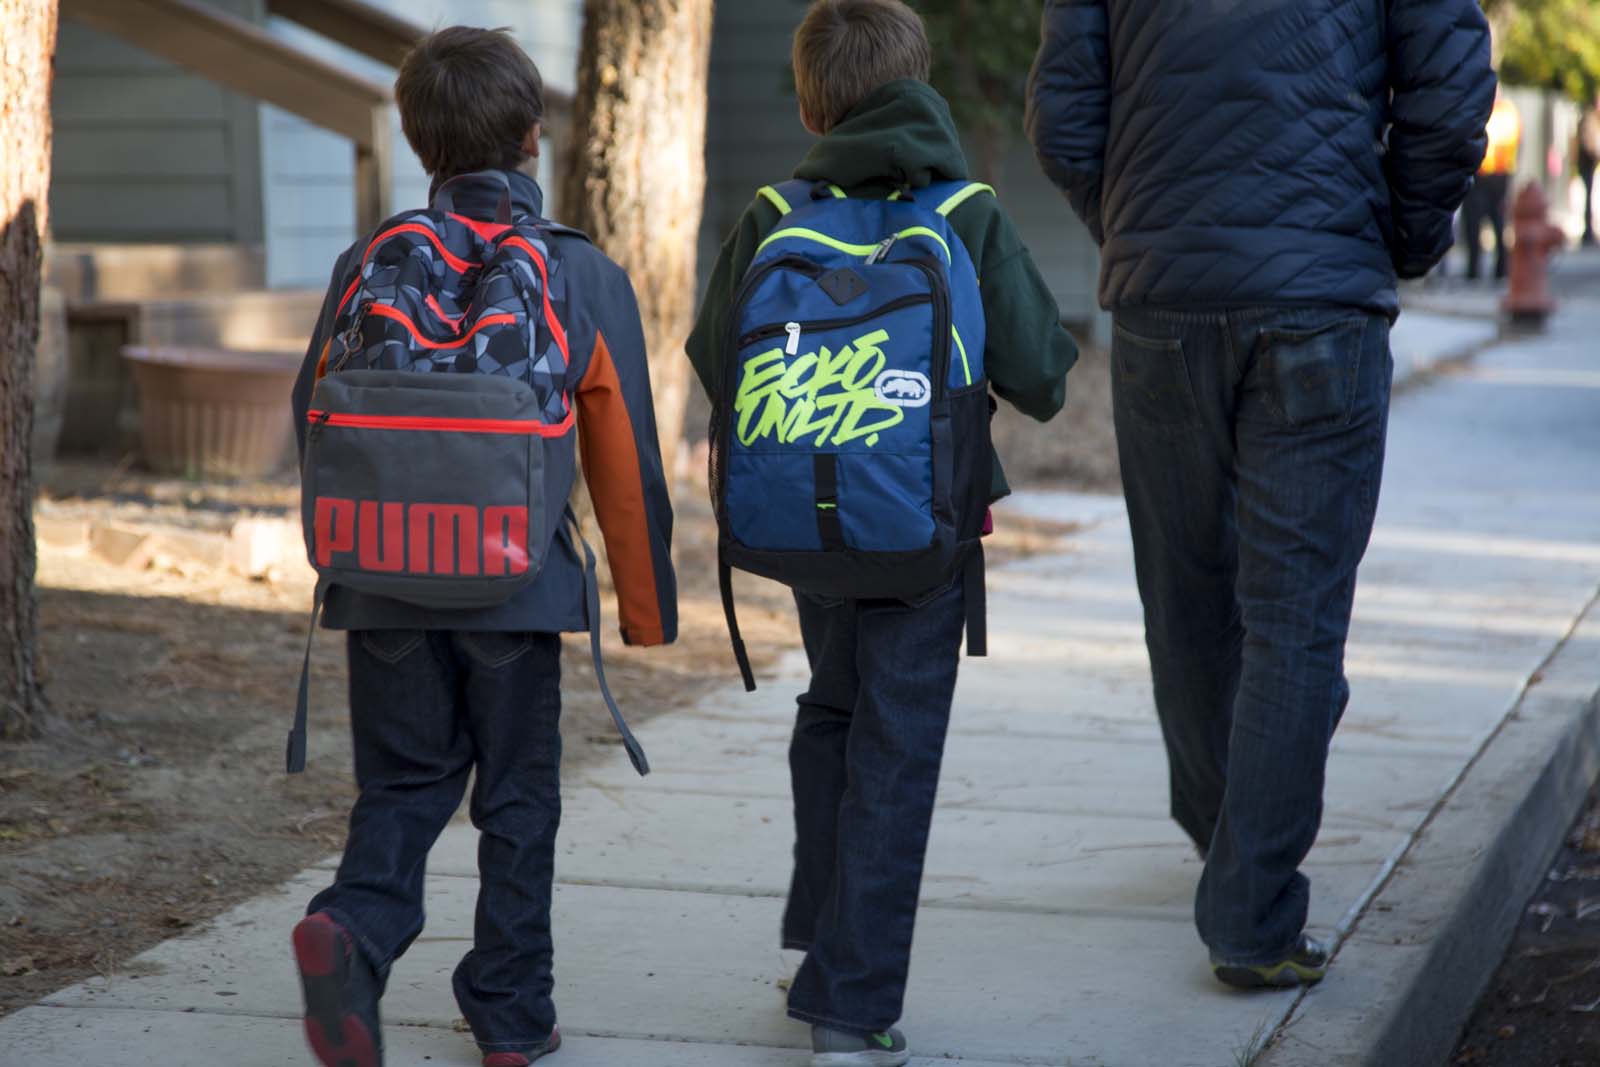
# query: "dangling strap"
973,579
591,589
295,755
725,581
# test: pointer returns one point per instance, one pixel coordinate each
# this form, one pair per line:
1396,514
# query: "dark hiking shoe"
1306,966
341,993
523,1057
834,1048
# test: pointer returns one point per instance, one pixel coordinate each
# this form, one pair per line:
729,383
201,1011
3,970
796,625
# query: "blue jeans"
427,708
868,742
1252,446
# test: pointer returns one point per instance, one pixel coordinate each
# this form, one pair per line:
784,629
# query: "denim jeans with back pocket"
1252,445
428,708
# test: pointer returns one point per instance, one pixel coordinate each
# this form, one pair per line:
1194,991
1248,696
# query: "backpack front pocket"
444,509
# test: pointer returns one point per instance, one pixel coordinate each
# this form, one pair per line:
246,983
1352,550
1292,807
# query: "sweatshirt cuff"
644,636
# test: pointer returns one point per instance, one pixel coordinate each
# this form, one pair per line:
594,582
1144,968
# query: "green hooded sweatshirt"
902,135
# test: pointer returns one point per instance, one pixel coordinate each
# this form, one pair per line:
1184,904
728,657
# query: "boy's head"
844,49
470,100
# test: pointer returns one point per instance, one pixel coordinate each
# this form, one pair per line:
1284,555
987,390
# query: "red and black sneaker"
341,993
523,1057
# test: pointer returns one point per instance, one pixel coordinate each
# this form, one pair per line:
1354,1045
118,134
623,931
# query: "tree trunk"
635,173
27,51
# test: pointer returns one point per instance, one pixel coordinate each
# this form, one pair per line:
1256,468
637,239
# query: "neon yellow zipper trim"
962,348
855,250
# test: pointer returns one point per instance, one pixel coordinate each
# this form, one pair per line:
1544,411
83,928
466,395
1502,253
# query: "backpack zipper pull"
793,347
351,340
881,253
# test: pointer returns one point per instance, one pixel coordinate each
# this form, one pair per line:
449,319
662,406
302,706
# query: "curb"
1423,341
1419,957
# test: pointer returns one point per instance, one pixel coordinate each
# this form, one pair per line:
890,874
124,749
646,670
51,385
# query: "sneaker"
523,1057
341,993
1306,966
834,1048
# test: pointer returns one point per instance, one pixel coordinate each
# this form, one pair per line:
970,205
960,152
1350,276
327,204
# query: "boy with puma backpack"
465,355
851,332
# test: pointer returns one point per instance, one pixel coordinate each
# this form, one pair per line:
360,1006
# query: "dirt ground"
159,798
1543,1004
1075,450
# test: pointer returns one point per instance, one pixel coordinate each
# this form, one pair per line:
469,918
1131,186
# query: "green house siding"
147,152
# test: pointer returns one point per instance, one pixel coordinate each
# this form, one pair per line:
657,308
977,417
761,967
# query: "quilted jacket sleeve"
1069,94
1443,93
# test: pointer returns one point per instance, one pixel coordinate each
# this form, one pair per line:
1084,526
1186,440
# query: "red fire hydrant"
1528,302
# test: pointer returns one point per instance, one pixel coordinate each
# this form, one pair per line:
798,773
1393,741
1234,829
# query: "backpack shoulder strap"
789,195
945,197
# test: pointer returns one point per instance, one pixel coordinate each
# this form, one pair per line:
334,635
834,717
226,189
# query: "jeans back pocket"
1150,381
1310,375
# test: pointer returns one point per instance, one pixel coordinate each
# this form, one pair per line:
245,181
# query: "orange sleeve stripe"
611,466
322,364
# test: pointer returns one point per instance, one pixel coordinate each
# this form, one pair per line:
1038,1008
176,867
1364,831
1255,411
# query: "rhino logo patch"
904,388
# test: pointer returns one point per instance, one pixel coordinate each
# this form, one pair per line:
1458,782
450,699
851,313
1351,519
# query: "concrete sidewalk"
1057,928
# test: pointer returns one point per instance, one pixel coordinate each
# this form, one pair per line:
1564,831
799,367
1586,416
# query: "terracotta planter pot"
214,413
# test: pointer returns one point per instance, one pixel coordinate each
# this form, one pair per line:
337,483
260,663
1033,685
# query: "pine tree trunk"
27,51
635,177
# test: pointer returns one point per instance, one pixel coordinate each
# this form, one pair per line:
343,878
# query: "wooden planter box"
213,413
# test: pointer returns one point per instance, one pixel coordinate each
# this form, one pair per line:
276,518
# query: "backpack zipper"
351,339
430,423
802,233
778,329
943,327
725,373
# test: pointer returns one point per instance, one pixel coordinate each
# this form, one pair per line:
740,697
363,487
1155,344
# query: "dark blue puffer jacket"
1262,152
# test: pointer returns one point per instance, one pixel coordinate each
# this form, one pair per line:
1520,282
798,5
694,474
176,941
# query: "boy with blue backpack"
465,356
852,330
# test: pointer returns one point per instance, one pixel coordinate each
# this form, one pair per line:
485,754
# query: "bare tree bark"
27,55
635,173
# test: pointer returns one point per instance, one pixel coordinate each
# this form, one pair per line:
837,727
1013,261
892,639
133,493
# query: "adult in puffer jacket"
1257,173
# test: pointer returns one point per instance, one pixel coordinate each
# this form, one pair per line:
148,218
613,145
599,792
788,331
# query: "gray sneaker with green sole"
834,1048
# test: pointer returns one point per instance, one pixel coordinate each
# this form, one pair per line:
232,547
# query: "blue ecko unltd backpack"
850,451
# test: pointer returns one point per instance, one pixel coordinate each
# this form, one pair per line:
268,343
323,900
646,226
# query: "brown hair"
468,98
844,49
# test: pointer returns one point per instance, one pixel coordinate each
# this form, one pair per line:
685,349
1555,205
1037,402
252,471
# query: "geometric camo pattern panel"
436,296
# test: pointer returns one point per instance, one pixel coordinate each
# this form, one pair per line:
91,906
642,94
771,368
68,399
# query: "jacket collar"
478,195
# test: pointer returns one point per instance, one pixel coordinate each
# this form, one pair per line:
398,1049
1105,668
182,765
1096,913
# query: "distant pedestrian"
1588,159
1491,193
1257,173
